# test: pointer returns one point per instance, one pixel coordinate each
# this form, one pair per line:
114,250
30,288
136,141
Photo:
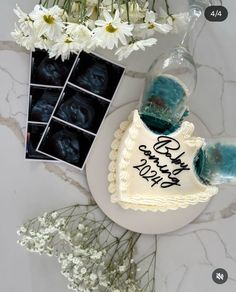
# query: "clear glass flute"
170,81
216,161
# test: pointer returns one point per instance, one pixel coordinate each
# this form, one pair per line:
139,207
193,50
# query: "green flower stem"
69,216
69,6
153,4
98,5
81,11
146,257
100,229
136,240
45,4
127,10
84,10
130,250
119,6
155,261
118,240
151,280
65,5
167,8
118,247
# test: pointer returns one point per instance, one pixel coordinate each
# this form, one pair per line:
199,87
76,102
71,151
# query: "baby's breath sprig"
147,268
94,253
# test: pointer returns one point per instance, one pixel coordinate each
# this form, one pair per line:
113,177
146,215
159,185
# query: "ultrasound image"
97,75
81,109
48,71
77,111
65,145
52,73
33,137
95,78
42,104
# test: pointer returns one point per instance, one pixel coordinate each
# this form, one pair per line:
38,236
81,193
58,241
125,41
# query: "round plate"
97,172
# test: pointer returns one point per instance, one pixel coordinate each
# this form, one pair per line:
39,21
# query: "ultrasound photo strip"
47,78
81,110
97,75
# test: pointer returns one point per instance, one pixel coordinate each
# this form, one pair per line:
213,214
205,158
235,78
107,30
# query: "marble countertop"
188,256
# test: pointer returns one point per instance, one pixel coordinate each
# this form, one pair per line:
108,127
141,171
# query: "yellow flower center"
110,28
150,25
43,37
68,40
49,19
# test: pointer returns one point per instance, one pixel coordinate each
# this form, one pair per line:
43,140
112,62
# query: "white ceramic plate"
97,171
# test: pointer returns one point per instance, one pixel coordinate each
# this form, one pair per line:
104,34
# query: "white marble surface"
186,257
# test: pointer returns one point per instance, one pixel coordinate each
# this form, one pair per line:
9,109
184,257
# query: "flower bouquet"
62,27
93,252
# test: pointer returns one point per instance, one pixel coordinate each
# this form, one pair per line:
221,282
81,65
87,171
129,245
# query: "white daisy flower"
91,8
64,47
81,33
150,26
90,23
125,51
23,39
78,30
44,43
111,30
26,23
48,21
178,21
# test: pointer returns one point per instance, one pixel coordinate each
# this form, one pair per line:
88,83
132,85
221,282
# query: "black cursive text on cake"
164,147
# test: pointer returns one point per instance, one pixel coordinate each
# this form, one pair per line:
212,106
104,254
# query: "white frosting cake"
155,172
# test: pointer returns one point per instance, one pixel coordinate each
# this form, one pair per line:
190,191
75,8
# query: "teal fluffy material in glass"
216,163
164,104
160,126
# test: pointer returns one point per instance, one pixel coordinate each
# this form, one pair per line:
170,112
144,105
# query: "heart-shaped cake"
155,172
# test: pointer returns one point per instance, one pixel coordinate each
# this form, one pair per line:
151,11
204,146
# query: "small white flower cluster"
88,267
88,263
106,24
39,239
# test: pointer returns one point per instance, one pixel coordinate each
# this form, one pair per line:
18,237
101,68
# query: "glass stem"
194,15
205,3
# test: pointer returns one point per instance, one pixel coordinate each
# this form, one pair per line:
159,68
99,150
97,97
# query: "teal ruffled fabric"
216,163
163,101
